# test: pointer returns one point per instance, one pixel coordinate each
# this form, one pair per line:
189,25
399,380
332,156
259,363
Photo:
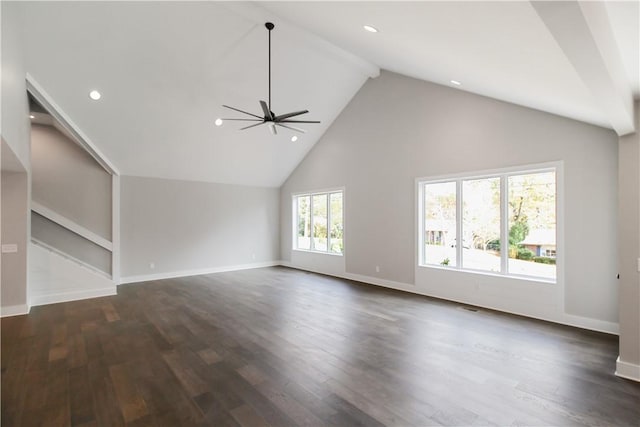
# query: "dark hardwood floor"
282,347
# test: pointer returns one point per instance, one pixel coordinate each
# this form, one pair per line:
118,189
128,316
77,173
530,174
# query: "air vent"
475,310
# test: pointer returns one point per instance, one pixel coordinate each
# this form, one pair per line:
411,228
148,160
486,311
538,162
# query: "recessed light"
370,29
294,138
31,116
455,82
95,95
218,122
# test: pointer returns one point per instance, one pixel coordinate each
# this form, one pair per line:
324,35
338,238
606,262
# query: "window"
440,223
303,240
480,223
499,223
319,222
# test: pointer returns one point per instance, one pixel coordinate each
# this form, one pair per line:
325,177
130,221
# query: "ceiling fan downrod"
270,27
283,120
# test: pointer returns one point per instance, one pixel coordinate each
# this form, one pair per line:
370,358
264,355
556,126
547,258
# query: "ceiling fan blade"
241,111
291,127
285,116
245,120
252,126
265,109
299,121
272,128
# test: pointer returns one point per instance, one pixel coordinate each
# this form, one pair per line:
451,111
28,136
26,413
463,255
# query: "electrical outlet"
253,256
9,248
152,265
377,269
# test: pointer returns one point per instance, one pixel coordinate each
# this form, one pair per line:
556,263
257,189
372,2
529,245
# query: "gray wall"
629,235
14,226
14,127
182,225
15,109
68,242
67,180
397,129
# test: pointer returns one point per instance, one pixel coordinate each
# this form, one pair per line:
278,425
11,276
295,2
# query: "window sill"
492,274
309,251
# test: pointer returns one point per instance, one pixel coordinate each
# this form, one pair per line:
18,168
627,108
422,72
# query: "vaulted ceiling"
165,69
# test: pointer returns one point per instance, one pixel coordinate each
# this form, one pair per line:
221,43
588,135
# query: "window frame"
294,215
503,174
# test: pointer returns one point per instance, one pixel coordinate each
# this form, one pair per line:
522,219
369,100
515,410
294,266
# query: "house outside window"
319,222
506,220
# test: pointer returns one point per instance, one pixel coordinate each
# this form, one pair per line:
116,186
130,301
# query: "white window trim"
294,222
558,166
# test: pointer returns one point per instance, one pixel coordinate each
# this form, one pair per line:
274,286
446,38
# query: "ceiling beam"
583,32
67,126
260,15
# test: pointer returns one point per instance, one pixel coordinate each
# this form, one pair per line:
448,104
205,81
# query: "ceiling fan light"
294,138
218,122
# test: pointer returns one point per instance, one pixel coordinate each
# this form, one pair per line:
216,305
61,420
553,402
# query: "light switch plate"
9,248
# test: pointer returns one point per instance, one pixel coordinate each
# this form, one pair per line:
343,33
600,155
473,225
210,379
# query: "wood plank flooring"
281,347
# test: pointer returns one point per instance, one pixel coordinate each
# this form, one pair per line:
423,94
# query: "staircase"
57,277
73,252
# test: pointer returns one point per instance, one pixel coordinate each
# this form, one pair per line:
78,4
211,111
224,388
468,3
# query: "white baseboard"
359,278
14,310
369,280
197,272
597,325
400,286
563,319
71,296
627,370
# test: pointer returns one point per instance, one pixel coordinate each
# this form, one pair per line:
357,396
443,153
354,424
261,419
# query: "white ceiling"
624,17
165,69
499,49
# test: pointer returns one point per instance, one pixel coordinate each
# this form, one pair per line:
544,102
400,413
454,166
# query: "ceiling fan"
269,118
